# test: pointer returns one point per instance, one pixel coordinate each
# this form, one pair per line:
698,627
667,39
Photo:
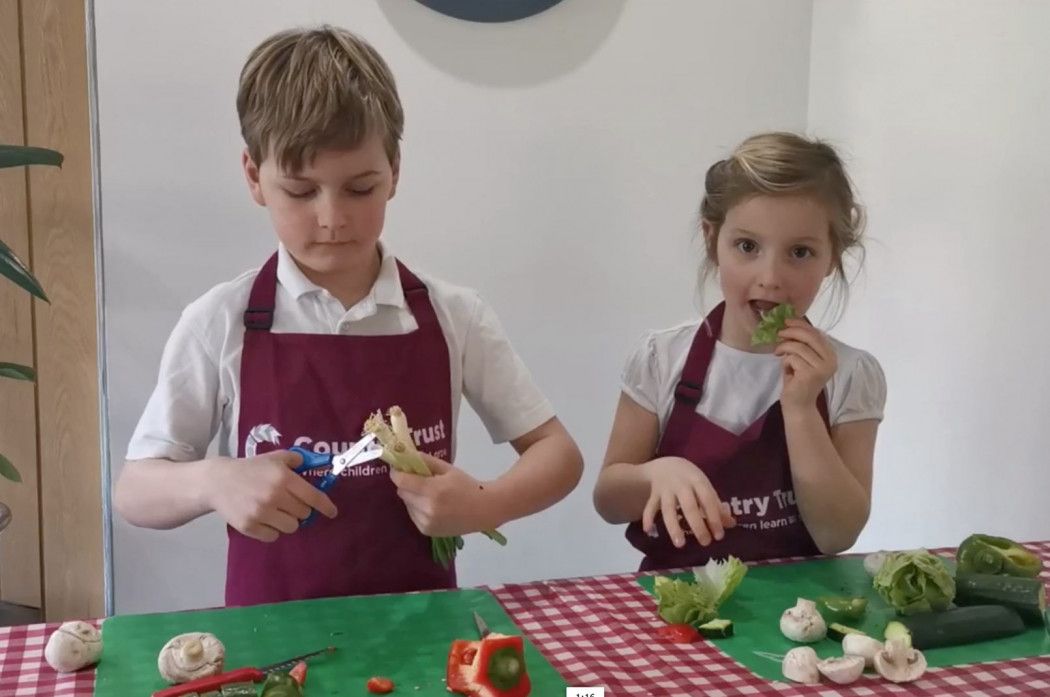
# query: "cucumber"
716,629
1026,595
838,632
962,625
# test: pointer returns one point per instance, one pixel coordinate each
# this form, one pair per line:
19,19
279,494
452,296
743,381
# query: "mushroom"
842,670
874,561
898,662
861,645
190,656
72,646
803,622
800,665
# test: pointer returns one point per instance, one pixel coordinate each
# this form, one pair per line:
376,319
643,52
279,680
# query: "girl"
720,446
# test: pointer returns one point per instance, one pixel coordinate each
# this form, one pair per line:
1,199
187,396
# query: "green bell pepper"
985,554
836,610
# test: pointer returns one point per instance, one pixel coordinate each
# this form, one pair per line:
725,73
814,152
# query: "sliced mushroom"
861,645
898,662
842,670
190,656
874,561
803,622
800,665
72,646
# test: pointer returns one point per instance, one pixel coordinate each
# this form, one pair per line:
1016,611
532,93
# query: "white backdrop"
556,164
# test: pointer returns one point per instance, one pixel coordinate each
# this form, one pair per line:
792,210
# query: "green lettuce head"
915,582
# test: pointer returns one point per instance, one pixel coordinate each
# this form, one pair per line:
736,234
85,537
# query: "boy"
332,328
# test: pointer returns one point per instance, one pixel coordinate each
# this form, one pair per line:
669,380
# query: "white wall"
555,164
943,109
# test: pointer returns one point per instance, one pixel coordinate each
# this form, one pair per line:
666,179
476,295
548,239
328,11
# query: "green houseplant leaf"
17,372
8,471
13,268
20,155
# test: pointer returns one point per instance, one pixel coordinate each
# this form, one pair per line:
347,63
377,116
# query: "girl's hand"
676,484
448,503
809,361
262,497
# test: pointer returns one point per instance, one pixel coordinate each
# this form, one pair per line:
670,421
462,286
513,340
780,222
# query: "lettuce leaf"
720,578
771,324
688,602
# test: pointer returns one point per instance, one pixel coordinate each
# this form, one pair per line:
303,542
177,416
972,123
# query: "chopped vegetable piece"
298,673
682,602
771,323
838,632
281,685
835,609
986,554
962,625
492,667
915,582
236,689
380,686
720,578
678,633
717,629
1026,595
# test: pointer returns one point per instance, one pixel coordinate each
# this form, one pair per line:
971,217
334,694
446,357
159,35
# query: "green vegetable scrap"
695,603
771,324
985,554
915,582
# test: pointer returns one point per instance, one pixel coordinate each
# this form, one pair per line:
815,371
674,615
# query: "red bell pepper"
380,686
492,667
678,633
298,673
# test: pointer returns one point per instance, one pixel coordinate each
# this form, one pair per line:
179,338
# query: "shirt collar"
387,289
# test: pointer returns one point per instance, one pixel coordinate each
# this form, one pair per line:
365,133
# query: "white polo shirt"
740,386
198,389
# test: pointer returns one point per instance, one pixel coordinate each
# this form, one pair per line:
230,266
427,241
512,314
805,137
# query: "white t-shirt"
198,388
740,385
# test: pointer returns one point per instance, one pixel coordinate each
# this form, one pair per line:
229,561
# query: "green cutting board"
768,590
402,637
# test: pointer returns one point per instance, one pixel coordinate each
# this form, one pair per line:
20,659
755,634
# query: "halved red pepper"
492,667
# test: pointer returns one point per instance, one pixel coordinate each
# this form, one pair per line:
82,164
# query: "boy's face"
329,215
770,250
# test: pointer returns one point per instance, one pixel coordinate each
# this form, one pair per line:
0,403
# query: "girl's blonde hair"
782,164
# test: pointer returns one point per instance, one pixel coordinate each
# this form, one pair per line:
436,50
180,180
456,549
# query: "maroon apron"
315,391
750,471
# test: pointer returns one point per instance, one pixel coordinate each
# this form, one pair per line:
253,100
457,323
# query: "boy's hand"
262,497
449,503
676,484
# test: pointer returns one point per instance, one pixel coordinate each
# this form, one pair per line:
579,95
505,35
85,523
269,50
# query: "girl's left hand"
809,361
445,504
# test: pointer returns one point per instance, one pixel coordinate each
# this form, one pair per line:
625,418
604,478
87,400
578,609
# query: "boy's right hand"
676,484
262,497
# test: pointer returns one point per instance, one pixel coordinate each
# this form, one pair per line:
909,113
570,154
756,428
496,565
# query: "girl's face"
770,250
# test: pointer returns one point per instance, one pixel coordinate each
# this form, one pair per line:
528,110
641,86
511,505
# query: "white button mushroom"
898,662
861,645
842,670
73,646
803,622
800,665
191,656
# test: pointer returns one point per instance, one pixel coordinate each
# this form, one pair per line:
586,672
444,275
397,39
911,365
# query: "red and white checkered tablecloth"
590,629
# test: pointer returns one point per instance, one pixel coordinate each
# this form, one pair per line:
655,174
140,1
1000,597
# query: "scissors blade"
483,629
349,457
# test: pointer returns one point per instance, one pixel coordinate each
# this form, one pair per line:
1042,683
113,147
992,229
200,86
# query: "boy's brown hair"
302,90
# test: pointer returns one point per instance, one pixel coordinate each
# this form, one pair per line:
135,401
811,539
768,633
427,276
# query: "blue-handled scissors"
364,450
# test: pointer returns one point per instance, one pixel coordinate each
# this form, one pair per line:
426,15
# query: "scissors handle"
312,460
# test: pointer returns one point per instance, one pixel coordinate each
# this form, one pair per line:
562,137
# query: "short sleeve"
496,382
640,378
862,394
183,412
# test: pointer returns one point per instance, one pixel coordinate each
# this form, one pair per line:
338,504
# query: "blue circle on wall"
489,10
